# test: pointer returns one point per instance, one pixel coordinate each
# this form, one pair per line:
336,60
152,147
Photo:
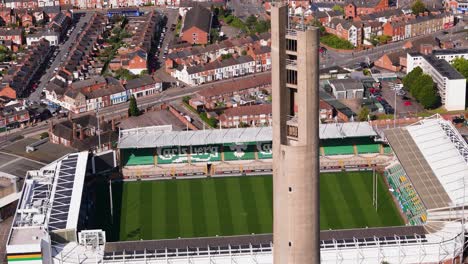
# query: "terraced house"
19,77
216,70
134,56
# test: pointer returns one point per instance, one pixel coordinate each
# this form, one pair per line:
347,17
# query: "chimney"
113,124
69,116
81,134
51,126
74,131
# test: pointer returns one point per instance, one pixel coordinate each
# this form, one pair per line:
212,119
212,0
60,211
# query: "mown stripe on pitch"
327,191
389,212
343,196
268,185
133,211
172,210
249,202
146,207
199,222
158,211
185,208
239,213
361,207
210,206
123,213
224,207
264,214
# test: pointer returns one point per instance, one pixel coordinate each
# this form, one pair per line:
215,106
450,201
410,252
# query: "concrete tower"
295,141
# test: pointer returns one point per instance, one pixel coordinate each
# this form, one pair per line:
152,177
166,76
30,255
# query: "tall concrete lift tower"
296,228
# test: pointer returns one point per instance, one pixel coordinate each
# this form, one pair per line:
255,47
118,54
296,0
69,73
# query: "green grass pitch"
239,205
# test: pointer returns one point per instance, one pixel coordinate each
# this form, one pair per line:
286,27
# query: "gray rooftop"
151,137
444,68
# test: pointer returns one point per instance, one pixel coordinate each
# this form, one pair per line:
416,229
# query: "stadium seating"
366,145
407,197
338,147
133,157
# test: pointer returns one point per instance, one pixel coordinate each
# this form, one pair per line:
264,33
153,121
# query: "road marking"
21,157
10,162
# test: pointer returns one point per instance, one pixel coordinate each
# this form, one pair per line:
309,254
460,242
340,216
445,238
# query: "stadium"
395,196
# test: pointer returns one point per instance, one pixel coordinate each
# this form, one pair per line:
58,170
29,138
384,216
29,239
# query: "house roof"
346,84
236,85
394,57
364,3
139,82
262,109
199,17
88,82
63,130
219,64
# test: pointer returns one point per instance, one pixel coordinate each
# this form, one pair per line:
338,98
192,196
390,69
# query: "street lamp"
98,126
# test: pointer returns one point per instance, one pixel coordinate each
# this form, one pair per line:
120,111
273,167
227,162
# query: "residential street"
164,97
342,59
36,95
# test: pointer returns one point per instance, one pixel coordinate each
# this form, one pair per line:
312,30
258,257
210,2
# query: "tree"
363,114
461,65
411,77
44,135
425,91
214,35
421,86
251,21
262,26
418,7
338,8
133,107
226,56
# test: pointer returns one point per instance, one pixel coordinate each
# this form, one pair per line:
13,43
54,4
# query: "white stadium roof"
150,137
446,153
435,157
50,201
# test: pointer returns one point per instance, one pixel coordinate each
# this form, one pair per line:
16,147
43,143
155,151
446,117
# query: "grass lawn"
237,205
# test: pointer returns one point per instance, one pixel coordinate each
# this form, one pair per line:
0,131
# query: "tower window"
290,244
290,189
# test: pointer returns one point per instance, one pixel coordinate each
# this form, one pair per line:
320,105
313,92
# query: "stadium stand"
132,157
403,190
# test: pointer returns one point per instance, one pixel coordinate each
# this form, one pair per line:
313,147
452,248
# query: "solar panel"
63,193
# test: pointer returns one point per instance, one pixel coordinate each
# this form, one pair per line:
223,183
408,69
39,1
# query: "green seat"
134,157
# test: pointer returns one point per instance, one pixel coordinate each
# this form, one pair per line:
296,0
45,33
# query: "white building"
451,54
51,36
451,84
217,70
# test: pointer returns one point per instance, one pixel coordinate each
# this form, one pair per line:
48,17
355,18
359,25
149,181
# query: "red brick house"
26,19
197,25
344,29
395,29
262,57
362,7
14,35
395,61
251,115
8,91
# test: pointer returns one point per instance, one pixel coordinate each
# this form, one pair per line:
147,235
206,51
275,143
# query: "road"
343,59
6,137
164,97
36,95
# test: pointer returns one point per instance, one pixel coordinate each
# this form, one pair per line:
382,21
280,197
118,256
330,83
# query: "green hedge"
336,42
